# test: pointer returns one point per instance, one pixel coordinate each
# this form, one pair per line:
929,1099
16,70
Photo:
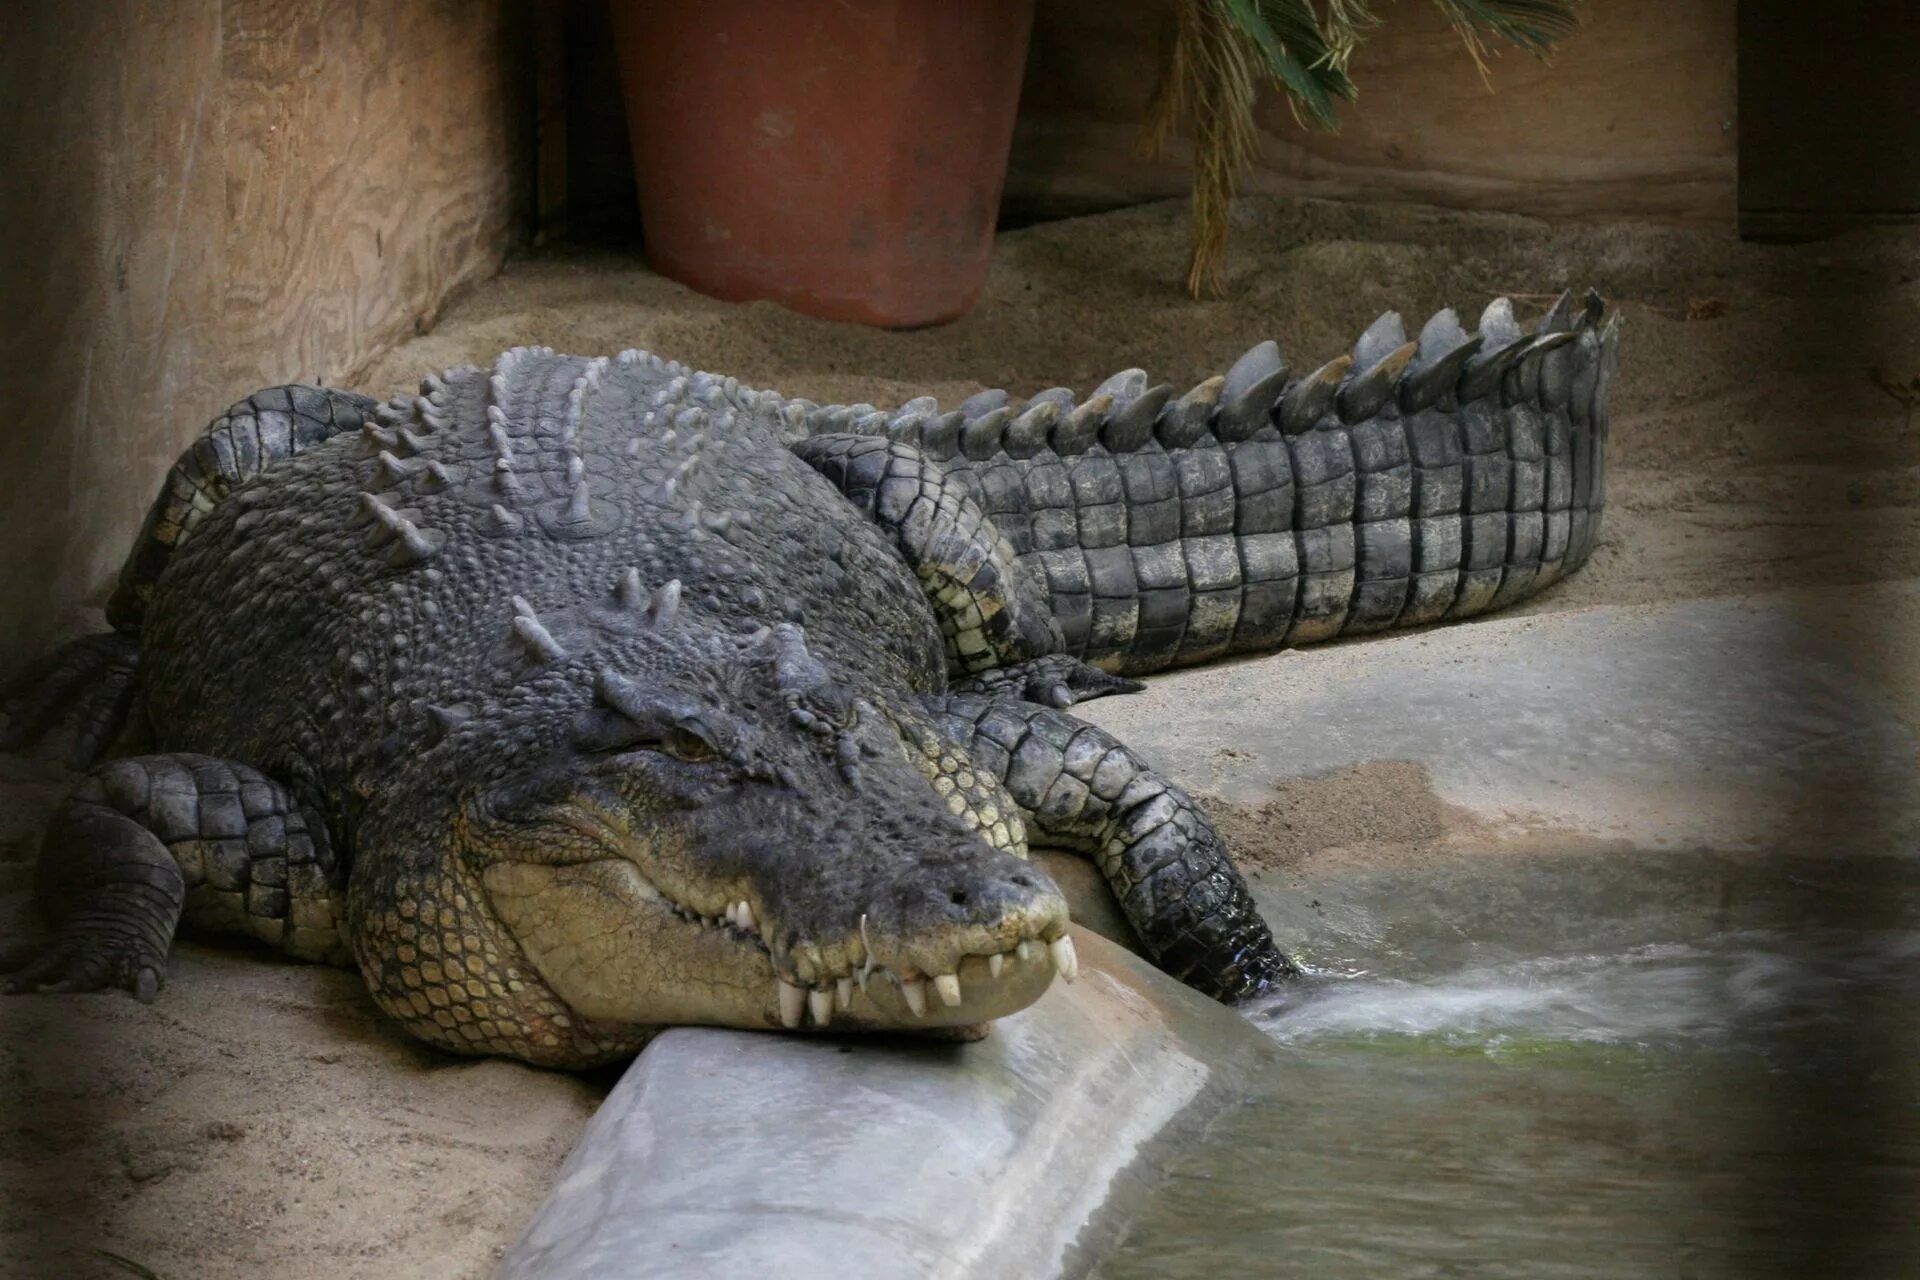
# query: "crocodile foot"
1056,680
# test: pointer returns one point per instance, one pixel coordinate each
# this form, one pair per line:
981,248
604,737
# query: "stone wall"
205,198
1634,119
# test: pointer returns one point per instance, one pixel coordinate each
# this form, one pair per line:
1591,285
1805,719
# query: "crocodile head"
731,832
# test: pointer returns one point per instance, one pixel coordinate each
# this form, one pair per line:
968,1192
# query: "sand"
262,1117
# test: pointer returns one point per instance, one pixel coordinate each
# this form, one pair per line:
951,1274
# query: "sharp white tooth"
843,993
915,990
793,1002
1028,950
994,963
746,917
733,913
948,986
820,1005
1063,957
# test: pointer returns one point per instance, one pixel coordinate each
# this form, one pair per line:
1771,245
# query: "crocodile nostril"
958,897
1022,881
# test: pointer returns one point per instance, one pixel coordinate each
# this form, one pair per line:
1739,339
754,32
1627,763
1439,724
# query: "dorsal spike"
502,520
1080,427
1027,434
395,470
502,442
413,544
664,604
1593,308
1063,396
980,402
1557,369
1439,336
1248,395
919,405
580,504
1522,384
368,508
1485,368
440,475
1131,426
980,438
1256,366
533,634
378,438
1185,420
1307,401
1586,373
1430,377
630,591
906,427
1125,387
1559,317
448,718
940,436
1365,393
1381,339
386,524
1498,326
412,441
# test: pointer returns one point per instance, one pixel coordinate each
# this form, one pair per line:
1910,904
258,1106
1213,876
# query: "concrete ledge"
737,1153
1712,724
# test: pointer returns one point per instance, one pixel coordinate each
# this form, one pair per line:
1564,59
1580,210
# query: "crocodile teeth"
947,987
915,990
995,963
733,913
1028,950
843,992
820,1005
793,1003
1064,958
744,916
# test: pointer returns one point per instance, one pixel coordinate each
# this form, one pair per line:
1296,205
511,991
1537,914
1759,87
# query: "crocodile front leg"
990,616
147,840
1081,790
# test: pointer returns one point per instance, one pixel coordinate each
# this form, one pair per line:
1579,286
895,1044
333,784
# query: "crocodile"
577,697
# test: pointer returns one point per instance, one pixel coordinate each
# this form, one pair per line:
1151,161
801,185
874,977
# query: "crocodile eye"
684,744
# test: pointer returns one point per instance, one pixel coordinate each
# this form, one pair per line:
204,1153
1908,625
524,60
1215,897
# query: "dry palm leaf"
1223,50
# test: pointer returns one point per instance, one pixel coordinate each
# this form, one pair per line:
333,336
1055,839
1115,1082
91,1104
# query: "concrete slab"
725,1153
1703,723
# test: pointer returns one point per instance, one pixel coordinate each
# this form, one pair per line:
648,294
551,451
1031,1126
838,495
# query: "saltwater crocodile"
577,697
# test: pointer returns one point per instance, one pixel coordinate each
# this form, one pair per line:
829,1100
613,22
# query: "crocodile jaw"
616,950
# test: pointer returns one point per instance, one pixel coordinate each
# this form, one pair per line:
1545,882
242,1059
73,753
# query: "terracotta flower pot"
842,157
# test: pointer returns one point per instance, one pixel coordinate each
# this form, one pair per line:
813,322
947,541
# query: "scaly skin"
576,698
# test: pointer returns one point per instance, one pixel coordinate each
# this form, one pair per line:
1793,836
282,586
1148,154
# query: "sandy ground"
261,1117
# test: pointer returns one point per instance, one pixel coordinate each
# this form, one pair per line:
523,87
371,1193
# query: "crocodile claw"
1056,680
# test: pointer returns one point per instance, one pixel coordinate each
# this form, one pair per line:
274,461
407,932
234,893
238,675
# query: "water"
1575,1068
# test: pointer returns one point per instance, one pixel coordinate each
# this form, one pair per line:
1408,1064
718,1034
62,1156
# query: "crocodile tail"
1404,483
248,438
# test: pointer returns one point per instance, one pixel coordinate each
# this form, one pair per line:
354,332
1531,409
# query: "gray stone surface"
1704,723
725,1153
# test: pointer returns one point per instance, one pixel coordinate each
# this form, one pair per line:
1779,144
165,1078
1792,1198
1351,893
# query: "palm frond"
1533,25
1222,49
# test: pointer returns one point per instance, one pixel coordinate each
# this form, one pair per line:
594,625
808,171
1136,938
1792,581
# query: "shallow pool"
1685,1066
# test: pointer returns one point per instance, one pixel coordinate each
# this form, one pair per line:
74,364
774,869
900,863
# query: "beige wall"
200,199
1634,119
